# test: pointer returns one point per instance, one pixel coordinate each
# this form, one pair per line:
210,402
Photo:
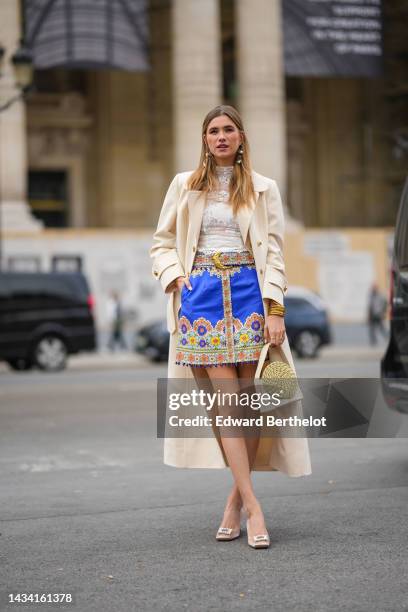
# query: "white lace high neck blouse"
219,228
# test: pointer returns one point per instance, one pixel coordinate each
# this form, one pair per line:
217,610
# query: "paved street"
88,507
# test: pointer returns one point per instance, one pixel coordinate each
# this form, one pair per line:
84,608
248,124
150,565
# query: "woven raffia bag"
276,375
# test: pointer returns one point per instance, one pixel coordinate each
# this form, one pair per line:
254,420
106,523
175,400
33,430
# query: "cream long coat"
174,245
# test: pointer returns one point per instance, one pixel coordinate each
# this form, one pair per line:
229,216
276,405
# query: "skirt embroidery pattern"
221,319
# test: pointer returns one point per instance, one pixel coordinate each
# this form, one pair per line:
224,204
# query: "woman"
218,254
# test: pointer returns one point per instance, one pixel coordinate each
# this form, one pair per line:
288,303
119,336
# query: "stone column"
197,81
261,85
14,210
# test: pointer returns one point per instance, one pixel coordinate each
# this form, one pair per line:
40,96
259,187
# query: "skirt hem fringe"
214,365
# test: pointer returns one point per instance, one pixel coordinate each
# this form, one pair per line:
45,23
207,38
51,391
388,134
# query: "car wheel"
50,353
20,364
307,343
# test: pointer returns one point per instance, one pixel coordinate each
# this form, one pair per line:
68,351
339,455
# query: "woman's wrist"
275,308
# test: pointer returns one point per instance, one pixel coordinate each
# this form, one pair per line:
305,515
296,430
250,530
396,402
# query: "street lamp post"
23,72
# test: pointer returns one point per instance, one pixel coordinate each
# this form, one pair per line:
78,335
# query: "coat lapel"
196,203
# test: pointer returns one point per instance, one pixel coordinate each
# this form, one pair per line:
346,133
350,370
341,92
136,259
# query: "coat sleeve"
166,263
275,282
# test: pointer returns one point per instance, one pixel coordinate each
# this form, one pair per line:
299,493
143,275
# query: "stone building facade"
337,146
95,150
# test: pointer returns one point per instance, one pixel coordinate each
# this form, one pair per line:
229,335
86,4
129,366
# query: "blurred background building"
119,91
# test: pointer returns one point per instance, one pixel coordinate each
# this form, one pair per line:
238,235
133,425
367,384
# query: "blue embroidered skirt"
221,319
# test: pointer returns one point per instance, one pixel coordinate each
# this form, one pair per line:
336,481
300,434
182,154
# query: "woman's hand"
177,284
274,330
181,281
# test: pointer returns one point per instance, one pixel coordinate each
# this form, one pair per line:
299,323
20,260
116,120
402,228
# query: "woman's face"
223,139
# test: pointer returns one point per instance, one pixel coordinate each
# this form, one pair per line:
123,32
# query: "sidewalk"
349,341
107,360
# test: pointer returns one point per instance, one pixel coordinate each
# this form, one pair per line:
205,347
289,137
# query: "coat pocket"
164,261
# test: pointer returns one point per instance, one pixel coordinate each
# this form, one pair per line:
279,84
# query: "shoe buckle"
225,530
261,538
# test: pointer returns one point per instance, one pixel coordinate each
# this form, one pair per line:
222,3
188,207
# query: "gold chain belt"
223,259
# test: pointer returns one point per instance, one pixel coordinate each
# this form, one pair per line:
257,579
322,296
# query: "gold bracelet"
279,314
275,308
273,303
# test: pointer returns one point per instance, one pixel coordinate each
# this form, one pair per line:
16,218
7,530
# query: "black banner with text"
333,38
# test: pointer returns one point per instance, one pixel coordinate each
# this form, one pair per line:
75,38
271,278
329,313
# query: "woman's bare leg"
246,372
232,511
225,378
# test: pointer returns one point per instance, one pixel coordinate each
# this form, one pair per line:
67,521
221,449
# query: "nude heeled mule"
225,534
258,541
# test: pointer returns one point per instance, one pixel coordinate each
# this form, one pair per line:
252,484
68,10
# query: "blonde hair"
204,178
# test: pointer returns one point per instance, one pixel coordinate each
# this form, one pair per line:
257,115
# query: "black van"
43,318
394,365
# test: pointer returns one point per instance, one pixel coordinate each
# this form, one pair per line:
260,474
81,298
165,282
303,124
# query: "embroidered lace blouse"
219,228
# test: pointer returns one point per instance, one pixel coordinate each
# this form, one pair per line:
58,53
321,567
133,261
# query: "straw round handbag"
275,373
